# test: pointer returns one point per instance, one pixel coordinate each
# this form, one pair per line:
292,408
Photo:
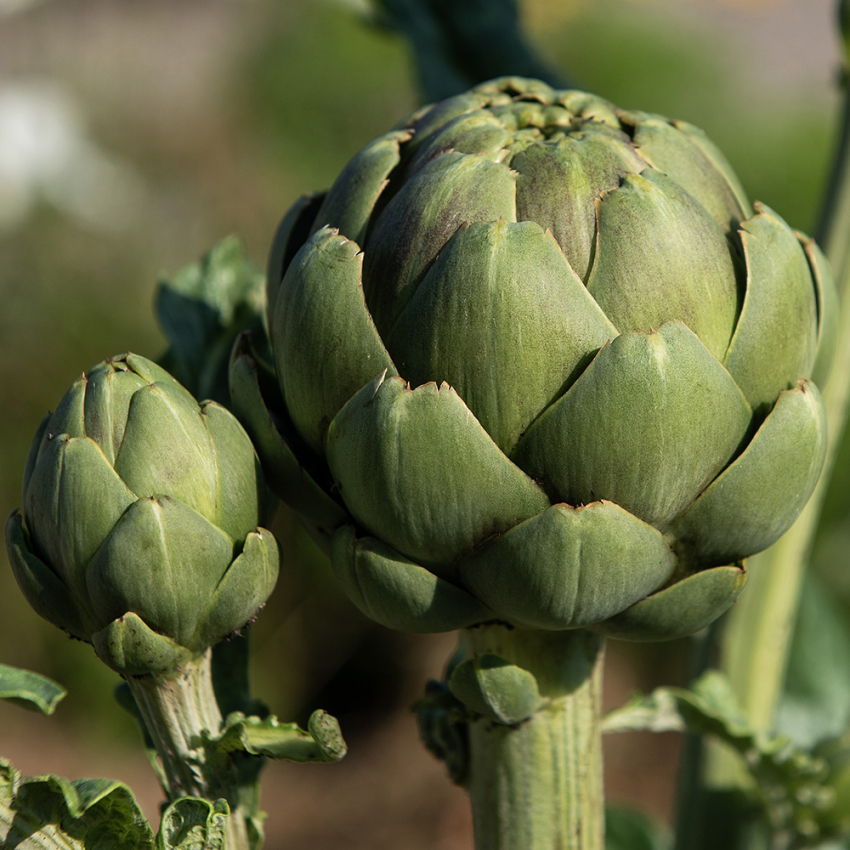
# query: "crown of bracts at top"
537,360
140,512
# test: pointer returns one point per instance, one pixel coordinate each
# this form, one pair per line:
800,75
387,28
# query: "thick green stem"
177,711
537,785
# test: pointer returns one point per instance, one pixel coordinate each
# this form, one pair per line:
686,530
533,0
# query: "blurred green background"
133,136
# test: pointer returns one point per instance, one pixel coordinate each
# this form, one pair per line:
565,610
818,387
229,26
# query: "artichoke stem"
537,785
178,709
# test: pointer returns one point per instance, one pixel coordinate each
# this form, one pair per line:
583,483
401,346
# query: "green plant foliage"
495,689
627,829
191,823
322,742
790,786
30,690
52,813
815,704
442,721
202,308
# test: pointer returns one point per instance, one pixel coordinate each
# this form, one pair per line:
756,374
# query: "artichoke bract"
140,512
539,361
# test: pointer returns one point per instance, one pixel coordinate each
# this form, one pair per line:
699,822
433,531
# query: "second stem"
537,784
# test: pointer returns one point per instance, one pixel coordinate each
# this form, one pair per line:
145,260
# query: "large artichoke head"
140,512
539,361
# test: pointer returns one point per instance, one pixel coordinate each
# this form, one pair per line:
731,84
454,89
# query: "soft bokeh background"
135,135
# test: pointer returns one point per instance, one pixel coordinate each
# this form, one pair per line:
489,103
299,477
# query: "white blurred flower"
46,155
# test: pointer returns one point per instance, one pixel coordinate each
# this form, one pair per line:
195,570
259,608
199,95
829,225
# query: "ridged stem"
177,711
538,785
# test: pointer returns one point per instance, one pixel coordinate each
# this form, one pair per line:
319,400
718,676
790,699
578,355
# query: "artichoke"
139,528
538,361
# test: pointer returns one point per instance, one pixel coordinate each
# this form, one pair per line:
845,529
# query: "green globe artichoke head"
540,361
140,511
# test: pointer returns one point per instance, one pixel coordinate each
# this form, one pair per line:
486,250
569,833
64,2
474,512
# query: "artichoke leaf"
719,161
70,471
504,89
284,471
660,256
32,455
41,499
240,489
30,690
352,198
131,648
478,132
756,499
163,561
290,234
534,326
496,689
165,436
427,121
201,309
682,609
591,107
417,470
397,593
568,567
49,596
828,309
421,218
87,480
776,337
193,823
52,813
150,372
108,392
246,586
267,736
69,416
648,425
559,183
675,153
325,343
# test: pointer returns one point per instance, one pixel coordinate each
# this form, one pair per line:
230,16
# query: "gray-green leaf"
30,690
322,742
789,784
52,813
191,823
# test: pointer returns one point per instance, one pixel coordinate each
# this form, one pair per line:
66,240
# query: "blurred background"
133,136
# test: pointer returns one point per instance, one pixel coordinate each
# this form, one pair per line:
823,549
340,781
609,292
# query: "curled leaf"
30,690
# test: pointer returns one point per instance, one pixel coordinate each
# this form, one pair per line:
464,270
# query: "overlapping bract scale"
659,257
552,369
320,307
775,340
533,325
423,215
417,470
648,425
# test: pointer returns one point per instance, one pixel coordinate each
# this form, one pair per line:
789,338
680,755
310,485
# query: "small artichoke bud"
139,527
539,360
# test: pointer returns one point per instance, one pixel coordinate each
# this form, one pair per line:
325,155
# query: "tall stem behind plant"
757,637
